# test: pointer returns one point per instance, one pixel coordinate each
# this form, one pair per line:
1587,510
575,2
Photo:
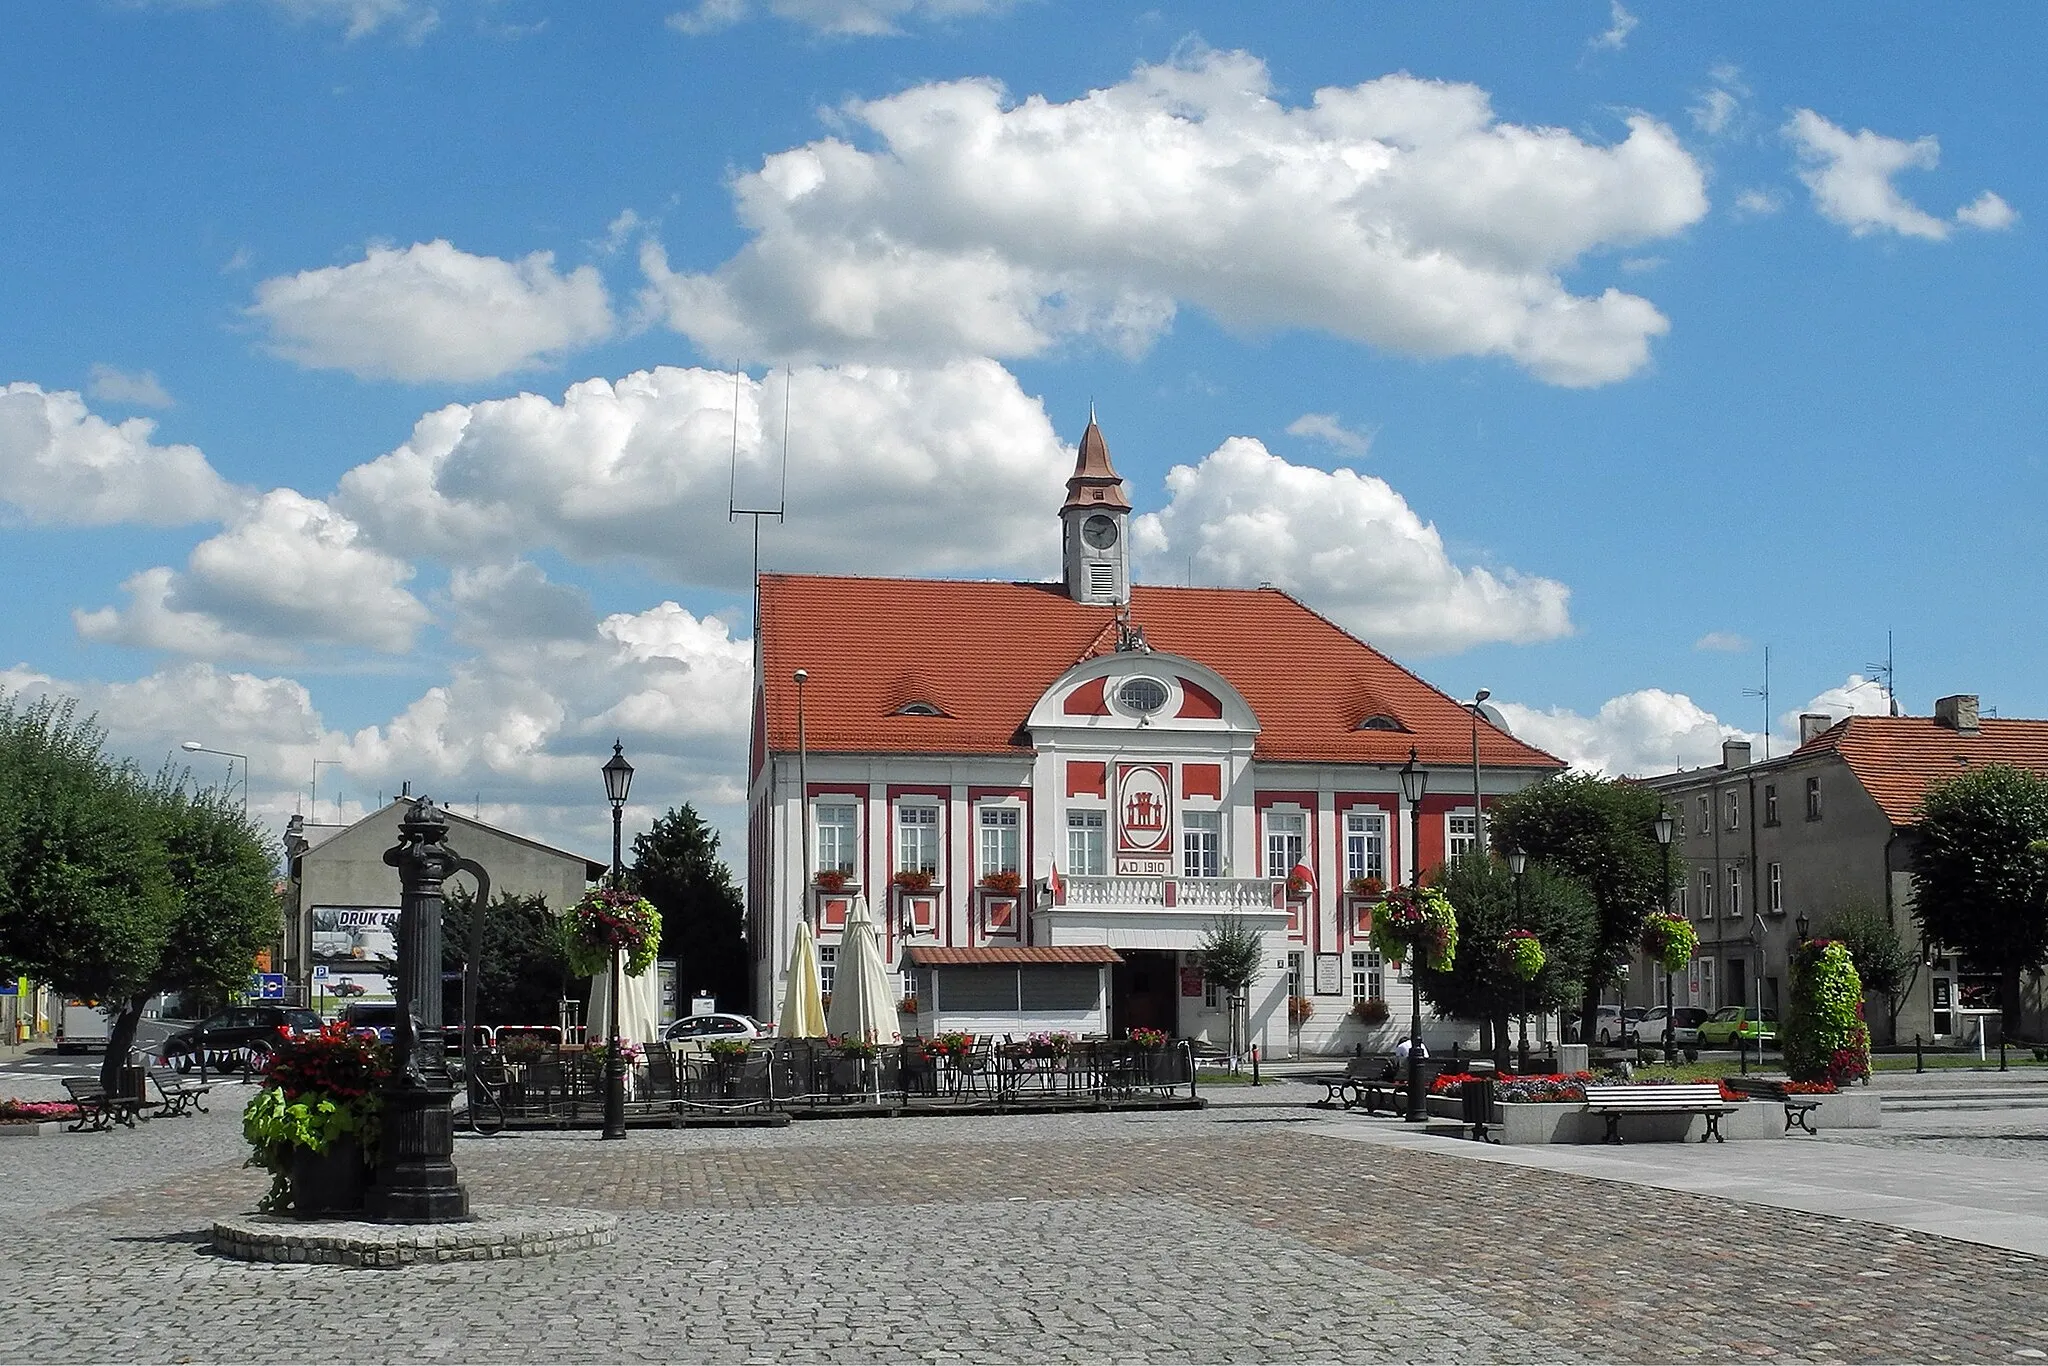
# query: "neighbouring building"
341,898
1013,771
1758,845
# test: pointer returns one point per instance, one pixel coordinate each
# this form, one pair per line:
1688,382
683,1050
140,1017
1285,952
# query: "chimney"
1734,754
1958,713
1812,723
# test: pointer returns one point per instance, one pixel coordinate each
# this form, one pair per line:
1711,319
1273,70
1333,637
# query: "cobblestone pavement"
1230,1235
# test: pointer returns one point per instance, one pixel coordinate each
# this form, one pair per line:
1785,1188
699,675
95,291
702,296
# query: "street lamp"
1518,863
1799,925
803,788
1478,823
1414,783
1662,825
194,747
618,781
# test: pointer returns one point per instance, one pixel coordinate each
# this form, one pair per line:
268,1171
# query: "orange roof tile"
989,650
1897,758
939,956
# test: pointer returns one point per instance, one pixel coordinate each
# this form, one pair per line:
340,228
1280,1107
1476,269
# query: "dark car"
371,1019
237,1033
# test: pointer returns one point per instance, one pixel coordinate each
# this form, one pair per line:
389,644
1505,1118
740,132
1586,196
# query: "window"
1735,894
1777,893
1678,819
1770,803
1734,809
1365,845
1142,695
999,848
1211,994
1678,902
1294,983
828,963
1368,977
1706,813
1201,843
917,839
835,843
1461,834
1088,843
1286,841
1706,893
1813,799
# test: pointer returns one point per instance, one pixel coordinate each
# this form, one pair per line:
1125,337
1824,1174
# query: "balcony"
1156,912
1216,895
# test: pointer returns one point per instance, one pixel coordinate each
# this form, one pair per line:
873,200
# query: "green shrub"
1825,1037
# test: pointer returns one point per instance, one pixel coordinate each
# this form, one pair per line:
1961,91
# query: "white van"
81,1026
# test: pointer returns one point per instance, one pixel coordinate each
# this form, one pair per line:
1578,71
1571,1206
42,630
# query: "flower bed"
36,1111
1526,1088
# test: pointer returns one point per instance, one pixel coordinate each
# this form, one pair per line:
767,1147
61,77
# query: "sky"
375,374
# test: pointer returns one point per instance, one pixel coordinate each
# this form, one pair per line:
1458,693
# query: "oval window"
1141,695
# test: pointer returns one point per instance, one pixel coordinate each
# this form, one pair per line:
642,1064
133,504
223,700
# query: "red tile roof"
989,650
939,956
1897,758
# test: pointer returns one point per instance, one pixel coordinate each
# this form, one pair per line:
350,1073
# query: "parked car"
703,1028
239,1030
372,1019
1685,1025
1611,1026
1720,1029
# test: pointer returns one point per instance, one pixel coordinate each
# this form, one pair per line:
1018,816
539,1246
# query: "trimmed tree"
1598,832
1980,883
1230,953
1825,1037
1888,968
703,917
1482,983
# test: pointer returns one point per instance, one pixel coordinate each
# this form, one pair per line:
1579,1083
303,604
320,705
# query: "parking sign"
266,986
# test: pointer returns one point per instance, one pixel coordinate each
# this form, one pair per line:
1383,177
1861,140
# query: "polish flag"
1301,870
1056,887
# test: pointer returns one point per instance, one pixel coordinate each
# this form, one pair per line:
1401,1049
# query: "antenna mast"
1765,693
733,511
1884,671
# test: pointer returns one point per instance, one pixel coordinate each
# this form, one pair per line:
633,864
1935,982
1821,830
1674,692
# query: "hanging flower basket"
1669,941
1419,921
608,919
1522,955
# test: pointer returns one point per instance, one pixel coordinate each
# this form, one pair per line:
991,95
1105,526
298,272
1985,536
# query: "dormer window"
1141,696
1379,721
918,709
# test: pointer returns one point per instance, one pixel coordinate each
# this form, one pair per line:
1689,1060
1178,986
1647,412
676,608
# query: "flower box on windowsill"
834,883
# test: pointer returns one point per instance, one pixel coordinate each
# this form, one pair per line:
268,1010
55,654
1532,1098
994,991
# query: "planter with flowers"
951,1044
1370,1011
1669,941
832,880
908,1005
1148,1039
314,1124
1361,894
911,880
916,900
35,1118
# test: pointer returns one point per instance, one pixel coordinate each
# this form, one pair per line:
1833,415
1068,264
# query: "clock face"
1099,531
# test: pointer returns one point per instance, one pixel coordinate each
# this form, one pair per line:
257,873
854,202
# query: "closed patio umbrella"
803,1007
863,1005
639,1007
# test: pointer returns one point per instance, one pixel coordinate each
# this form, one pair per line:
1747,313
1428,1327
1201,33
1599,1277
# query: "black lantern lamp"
1799,924
618,781
1414,783
1518,864
1662,827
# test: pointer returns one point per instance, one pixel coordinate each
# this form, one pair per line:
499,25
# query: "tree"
1478,987
1887,967
113,888
1599,832
523,976
1980,887
703,918
1229,955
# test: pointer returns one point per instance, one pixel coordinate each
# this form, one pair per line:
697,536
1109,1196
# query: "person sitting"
1403,1049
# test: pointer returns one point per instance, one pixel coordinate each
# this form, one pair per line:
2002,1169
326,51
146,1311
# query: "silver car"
1685,1025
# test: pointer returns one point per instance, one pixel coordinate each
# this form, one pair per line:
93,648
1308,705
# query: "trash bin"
1476,1095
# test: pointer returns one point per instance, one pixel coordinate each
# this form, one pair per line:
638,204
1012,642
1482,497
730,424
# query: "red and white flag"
1056,887
1302,872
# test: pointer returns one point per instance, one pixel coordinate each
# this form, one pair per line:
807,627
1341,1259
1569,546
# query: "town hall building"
1048,792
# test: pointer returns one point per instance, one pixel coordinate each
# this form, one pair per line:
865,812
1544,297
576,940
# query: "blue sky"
366,366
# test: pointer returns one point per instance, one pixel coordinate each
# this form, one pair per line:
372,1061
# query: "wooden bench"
98,1111
1702,1098
1799,1107
177,1095
1364,1080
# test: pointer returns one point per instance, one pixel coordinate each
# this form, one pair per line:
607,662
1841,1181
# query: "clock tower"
1094,522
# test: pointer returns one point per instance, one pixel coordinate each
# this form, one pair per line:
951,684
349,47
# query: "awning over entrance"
1018,955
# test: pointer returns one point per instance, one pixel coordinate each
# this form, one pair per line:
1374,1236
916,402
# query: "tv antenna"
1884,673
1765,693
733,510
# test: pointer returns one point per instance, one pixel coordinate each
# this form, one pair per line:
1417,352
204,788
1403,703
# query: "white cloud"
1758,203
1349,545
431,312
1326,428
110,385
288,573
1620,24
901,471
1636,734
358,18
1725,642
1398,212
841,18
1850,175
62,465
1716,110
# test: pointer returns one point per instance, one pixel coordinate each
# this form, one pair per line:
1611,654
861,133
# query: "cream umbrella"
639,1006
803,1006
863,1006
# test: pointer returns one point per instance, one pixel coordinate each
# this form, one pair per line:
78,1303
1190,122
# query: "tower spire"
1097,565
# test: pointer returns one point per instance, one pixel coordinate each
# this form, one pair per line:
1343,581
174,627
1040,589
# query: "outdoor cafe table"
1019,1071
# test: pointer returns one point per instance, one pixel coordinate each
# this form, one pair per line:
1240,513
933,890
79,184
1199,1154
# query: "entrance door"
1735,986
1144,992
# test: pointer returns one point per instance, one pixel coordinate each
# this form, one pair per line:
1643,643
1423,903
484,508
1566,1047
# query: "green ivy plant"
277,1127
1825,1036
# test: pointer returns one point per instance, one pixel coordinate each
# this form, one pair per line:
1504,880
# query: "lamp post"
803,788
1478,821
1662,825
1414,783
194,747
1518,863
618,781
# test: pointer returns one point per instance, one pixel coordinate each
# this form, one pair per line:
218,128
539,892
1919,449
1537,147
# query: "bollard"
202,1050
1919,1058
1742,1050
1255,1063
2001,1055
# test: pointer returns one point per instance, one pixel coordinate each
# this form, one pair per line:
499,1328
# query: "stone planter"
1568,1122
1857,1109
31,1128
330,1184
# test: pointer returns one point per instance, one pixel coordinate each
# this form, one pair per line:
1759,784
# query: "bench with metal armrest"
1366,1079
1799,1106
1684,1098
97,1110
177,1095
